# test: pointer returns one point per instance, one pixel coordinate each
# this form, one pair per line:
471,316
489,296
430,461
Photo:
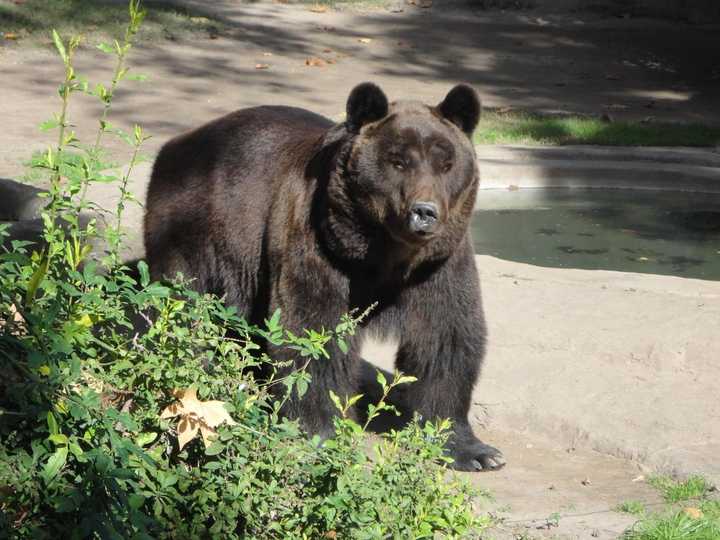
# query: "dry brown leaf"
425,4
172,410
196,416
187,429
318,8
15,320
11,35
315,62
327,50
365,40
262,66
692,512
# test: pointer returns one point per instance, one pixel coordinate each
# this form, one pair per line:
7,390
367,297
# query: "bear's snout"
423,218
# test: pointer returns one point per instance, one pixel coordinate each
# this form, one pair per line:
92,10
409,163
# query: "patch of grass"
697,521
635,508
33,20
535,129
681,525
695,487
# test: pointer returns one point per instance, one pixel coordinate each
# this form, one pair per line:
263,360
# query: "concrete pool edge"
633,379
658,168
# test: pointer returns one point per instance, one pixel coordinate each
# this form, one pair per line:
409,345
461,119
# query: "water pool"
658,232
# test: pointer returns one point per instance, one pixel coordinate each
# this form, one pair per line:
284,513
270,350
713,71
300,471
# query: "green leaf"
58,438
336,401
75,449
342,345
60,46
302,386
137,77
274,321
35,280
353,400
52,424
47,125
106,48
145,438
144,273
405,379
135,500
54,464
381,379
160,291
214,449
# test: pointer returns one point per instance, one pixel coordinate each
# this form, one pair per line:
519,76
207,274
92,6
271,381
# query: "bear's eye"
398,164
447,166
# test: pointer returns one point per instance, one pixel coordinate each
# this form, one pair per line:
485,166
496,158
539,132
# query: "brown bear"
280,208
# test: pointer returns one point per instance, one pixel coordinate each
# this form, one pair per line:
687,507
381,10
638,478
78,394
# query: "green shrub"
93,439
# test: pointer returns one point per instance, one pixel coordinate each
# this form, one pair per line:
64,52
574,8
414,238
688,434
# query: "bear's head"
408,176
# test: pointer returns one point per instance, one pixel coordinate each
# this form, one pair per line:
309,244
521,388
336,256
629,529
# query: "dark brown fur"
277,207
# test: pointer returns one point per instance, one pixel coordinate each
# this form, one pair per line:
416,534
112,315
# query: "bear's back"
212,189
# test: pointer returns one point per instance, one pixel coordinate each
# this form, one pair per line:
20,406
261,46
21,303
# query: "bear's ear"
462,107
367,103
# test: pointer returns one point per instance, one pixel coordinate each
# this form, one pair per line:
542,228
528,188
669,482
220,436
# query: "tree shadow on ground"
519,58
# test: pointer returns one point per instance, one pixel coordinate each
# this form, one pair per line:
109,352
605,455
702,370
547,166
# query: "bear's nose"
423,217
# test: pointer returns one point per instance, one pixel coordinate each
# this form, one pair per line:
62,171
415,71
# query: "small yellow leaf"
694,513
315,62
44,370
11,35
85,321
318,8
62,407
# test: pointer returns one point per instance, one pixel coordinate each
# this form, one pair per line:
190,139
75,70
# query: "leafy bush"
109,378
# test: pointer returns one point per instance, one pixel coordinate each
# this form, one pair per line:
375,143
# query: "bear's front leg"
442,344
314,408
306,305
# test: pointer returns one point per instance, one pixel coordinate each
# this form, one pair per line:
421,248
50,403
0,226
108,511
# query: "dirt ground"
592,378
579,62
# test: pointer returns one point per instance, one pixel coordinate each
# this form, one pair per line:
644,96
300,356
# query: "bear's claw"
477,457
